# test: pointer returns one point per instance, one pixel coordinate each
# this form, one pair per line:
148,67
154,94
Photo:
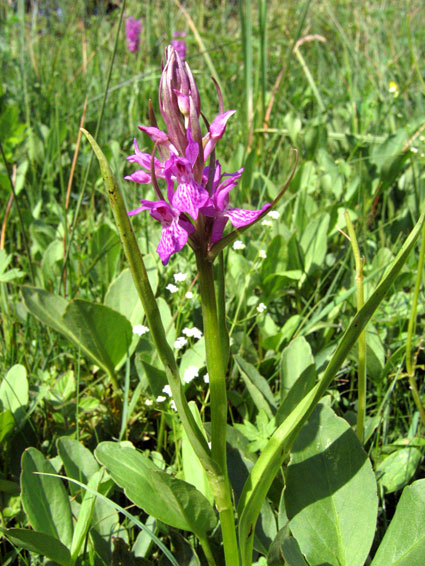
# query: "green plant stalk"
268,464
246,28
262,24
310,80
361,371
144,290
216,357
410,367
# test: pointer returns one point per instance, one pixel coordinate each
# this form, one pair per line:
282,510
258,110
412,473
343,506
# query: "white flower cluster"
180,343
192,332
190,373
139,329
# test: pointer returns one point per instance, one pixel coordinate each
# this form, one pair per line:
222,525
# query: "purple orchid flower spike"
197,206
133,29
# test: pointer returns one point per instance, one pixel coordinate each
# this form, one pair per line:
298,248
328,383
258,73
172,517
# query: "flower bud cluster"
196,205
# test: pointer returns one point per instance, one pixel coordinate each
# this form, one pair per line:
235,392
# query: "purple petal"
139,177
155,134
240,217
192,149
173,239
190,197
216,131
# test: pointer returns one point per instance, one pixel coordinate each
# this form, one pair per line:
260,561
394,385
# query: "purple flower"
197,204
133,29
179,44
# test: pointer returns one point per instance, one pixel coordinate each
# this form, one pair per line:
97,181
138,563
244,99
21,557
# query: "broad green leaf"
101,333
39,543
330,484
172,501
193,356
397,469
404,541
79,462
48,308
44,498
14,392
257,386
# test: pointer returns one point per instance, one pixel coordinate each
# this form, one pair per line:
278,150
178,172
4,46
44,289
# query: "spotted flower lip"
197,204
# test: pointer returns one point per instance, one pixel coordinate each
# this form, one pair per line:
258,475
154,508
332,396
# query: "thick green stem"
410,366
216,356
361,371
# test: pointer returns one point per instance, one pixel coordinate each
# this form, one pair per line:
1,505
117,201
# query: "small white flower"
262,254
160,399
172,288
261,307
139,329
274,214
179,277
238,245
167,390
173,405
189,295
190,373
414,149
192,332
209,445
266,222
206,378
148,402
180,342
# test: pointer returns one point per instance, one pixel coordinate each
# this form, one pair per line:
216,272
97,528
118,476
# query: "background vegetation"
340,82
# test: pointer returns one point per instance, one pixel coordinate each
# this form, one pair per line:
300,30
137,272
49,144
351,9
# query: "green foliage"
316,79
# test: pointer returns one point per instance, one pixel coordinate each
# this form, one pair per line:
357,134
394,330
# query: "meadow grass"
340,82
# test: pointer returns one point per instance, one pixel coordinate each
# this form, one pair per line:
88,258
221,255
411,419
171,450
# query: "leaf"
257,387
398,468
193,471
85,515
39,543
314,242
172,501
7,423
14,392
330,484
79,462
44,498
101,333
404,541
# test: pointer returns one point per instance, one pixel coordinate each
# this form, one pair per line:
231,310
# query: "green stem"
207,551
410,366
216,357
361,372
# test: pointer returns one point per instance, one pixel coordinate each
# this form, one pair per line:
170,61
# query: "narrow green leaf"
85,515
257,386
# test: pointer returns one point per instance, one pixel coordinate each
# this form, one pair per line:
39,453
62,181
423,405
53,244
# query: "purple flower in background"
133,29
196,207
179,44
